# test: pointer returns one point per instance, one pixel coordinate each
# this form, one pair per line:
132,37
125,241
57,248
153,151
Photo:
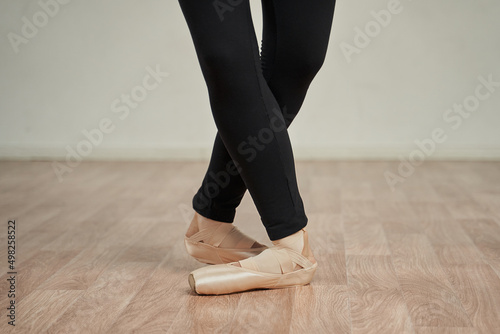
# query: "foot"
290,262
294,241
215,242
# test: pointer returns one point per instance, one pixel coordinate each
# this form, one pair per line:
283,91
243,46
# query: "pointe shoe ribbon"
277,260
223,244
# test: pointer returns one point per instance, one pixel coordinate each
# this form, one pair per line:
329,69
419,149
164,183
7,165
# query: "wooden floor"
102,251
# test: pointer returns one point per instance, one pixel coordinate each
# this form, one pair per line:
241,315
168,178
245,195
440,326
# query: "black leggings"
254,99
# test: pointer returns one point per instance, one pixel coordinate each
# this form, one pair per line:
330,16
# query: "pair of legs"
254,98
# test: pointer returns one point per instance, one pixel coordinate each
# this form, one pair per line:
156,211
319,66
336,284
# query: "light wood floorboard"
103,252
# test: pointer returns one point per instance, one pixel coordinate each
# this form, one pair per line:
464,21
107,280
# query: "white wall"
394,91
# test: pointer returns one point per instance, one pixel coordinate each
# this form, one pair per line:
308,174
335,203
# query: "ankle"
200,222
204,222
294,241
307,252
299,242
193,227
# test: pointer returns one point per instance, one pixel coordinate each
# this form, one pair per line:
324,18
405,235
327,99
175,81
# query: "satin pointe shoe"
275,267
223,244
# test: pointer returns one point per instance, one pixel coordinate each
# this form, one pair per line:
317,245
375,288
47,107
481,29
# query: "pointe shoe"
204,245
275,267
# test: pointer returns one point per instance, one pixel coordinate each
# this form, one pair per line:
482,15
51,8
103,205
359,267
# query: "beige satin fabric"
275,267
227,278
224,244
